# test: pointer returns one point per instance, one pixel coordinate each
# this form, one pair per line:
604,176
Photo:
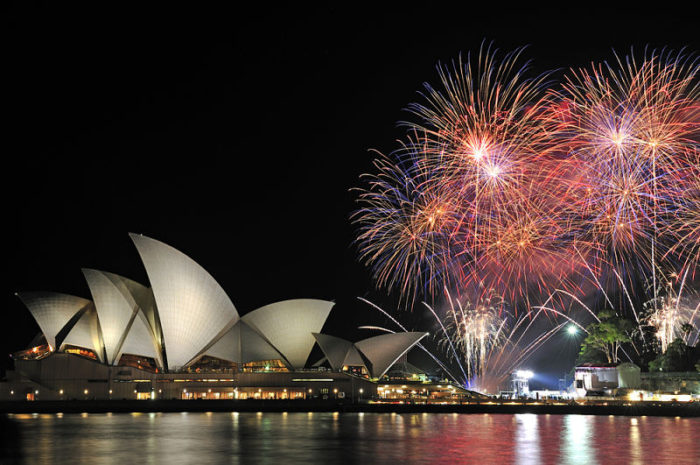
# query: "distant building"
629,376
520,381
548,394
672,382
607,379
595,378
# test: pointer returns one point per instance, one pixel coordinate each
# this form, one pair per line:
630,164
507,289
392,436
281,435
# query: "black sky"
236,135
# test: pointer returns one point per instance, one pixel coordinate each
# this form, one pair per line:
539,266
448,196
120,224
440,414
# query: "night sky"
235,136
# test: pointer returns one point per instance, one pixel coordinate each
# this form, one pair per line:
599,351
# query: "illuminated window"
265,366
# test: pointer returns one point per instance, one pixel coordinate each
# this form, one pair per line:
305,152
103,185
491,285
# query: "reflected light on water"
576,437
527,439
333,437
635,444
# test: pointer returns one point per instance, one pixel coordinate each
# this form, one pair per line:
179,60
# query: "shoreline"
166,406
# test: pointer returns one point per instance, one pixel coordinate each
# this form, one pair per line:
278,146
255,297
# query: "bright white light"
524,374
493,171
618,138
572,330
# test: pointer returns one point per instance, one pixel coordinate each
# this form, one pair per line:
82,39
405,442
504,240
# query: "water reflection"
576,440
635,443
285,438
527,439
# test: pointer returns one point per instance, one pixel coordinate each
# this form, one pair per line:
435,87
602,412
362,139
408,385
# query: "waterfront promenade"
493,407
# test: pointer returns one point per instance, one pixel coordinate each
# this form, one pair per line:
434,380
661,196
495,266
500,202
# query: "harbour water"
362,438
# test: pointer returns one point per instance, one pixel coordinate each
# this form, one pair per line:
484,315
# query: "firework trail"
475,330
494,342
420,345
673,313
685,227
485,340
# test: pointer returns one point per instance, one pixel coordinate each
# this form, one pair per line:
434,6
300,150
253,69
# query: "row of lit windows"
202,380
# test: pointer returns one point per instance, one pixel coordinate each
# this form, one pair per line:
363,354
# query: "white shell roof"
144,298
228,347
383,351
334,348
242,344
140,340
353,358
115,305
192,306
288,326
52,311
86,333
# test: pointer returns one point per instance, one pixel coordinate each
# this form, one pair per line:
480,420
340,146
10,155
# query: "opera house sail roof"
186,315
121,316
193,308
288,325
377,354
85,332
242,344
53,311
383,351
335,349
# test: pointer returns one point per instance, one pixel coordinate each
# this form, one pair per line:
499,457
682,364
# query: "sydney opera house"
181,337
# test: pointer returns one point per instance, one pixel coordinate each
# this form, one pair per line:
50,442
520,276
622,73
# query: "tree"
678,357
686,329
605,338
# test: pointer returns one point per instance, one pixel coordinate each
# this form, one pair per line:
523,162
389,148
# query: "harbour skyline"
250,140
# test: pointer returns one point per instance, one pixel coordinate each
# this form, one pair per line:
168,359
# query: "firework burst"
467,201
503,185
631,130
404,228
